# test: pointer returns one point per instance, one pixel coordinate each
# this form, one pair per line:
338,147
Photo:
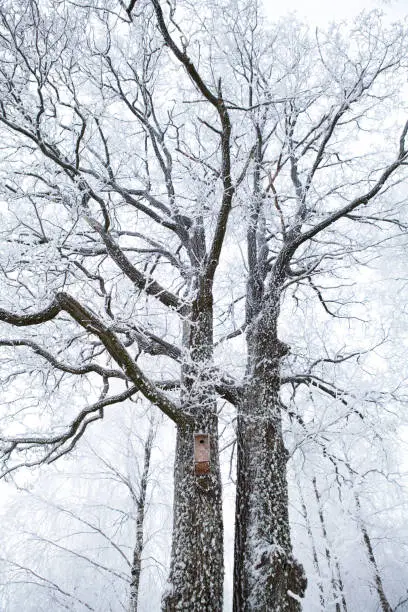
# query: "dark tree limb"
59,365
218,103
54,445
149,285
90,322
360,200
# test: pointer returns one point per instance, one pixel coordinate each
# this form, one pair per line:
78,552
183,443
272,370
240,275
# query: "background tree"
80,536
174,179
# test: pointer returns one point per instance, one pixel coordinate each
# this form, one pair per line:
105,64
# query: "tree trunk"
140,515
314,550
385,606
266,575
197,559
337,583
196,573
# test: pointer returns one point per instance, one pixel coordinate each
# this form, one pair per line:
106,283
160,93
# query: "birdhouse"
201,454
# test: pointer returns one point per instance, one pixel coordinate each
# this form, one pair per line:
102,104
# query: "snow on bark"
136,568
332,561
266,574
316,564
385,606
196,573
197,563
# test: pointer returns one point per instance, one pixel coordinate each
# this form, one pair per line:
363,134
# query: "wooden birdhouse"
201,453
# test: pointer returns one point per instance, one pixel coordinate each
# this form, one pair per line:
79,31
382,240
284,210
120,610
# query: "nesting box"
201,453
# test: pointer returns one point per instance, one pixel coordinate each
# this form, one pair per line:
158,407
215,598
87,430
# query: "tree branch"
85,369
363,199
150,286
89,321
218,102
55,444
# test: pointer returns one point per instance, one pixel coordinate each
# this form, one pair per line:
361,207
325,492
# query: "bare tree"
316,565
146,148
385,606
140,501
333,564
87,528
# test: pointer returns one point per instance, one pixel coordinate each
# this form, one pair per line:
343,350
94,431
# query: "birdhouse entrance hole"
201,453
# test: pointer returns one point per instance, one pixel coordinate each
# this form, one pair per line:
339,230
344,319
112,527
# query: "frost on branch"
188,216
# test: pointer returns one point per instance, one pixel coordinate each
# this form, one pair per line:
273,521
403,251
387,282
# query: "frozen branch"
141,281
60,444
63,367
90,322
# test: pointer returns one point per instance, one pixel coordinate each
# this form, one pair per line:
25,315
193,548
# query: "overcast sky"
320,11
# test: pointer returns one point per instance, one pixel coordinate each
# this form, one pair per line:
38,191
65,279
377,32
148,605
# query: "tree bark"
197,564
314,550
385,606
196,573
136,568
336,582
266,575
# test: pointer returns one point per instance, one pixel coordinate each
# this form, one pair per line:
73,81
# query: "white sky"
321,11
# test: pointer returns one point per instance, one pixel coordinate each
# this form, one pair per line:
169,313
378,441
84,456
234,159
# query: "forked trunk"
266,575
